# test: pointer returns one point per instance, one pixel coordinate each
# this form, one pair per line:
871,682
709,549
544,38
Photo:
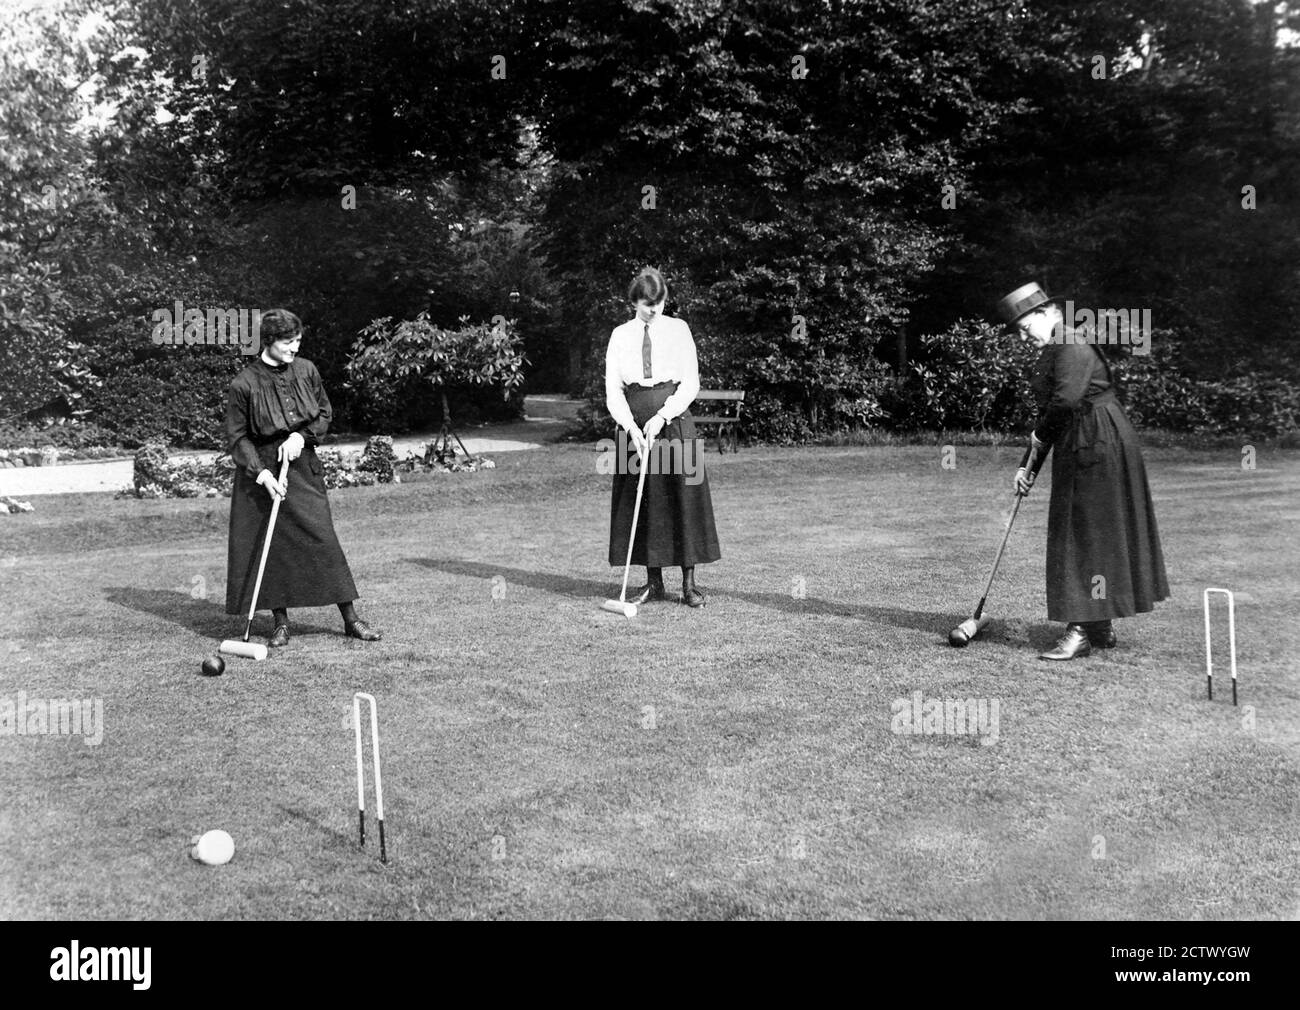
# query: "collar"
281,367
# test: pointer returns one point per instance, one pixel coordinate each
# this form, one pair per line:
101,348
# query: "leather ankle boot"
691,596
653,590
1073,644
360,629
1101,635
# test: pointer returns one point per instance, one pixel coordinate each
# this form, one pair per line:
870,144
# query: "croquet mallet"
961,635
251,650
621,606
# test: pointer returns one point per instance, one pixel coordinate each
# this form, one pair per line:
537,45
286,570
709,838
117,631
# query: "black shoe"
651,592
1073,644
691,596
279,637
1101,635
361,630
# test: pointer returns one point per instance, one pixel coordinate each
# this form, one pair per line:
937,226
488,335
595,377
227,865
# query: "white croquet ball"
214,848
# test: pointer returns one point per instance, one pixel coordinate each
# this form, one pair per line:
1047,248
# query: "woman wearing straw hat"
651,378
1104,559
277,409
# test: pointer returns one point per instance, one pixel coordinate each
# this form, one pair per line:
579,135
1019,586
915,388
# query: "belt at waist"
261,443
268,451
644,401
658,385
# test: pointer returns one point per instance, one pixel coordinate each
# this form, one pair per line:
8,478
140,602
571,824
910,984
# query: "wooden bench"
725,404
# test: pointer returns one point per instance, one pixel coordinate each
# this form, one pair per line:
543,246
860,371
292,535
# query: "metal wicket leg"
1232,641
361,772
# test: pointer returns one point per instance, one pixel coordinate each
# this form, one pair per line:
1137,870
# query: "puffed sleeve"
1069,370
615,401
238,444
688,387
315,429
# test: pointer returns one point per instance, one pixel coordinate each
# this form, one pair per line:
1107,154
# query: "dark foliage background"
841,191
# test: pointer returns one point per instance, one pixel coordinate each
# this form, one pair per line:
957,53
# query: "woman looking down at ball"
1104,559
276,410
651,378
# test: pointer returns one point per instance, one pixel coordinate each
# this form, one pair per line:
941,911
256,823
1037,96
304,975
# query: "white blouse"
672,359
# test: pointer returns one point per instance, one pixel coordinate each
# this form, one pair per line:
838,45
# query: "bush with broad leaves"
394,365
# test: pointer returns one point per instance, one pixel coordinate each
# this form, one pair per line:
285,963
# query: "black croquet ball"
214,666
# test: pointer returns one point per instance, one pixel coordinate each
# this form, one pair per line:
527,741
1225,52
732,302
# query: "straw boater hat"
1023,301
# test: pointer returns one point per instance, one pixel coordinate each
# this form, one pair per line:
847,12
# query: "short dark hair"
279,324
647,286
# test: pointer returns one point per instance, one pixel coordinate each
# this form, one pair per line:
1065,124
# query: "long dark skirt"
675,527
306,566
1104,558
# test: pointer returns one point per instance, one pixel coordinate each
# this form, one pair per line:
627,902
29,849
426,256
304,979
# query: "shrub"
1161,395
155,476
1253,405
767,419
765,416
151,465
181,400
341,469
378,458
974,375
397,367
171,394
72,436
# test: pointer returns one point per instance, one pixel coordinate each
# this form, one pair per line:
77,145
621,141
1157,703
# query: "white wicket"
361,772
1232,641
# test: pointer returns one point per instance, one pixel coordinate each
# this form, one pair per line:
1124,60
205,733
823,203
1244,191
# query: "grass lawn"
542,758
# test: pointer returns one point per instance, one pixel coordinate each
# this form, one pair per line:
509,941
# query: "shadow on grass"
564,585
1032,636
330,834
209,620
203,617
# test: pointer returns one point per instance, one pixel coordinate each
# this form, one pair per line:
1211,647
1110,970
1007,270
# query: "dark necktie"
645,353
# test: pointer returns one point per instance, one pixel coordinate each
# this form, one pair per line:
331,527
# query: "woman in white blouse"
651,378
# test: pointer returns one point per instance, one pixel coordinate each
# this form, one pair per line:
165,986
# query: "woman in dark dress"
1104,559
277,409
651,378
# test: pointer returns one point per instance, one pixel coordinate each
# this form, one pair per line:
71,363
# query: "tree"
775,194
393,363
53,207
1122,182
302,97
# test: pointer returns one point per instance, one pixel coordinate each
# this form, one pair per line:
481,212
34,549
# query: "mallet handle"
979,610
1039,460
266,550
1024,462
636,514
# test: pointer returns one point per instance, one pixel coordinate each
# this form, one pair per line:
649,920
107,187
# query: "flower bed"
51,455
157,476
25,456
430,457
